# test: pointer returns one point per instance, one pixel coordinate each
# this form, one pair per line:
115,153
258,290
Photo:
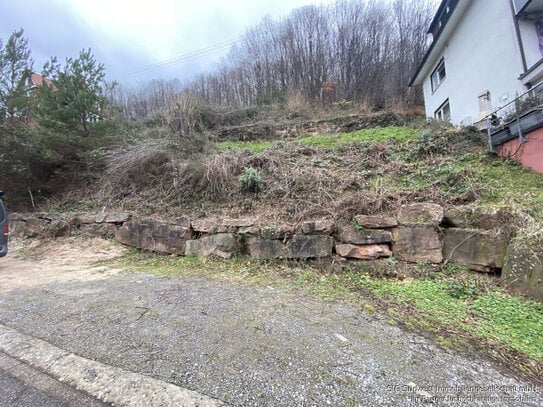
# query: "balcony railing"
516,118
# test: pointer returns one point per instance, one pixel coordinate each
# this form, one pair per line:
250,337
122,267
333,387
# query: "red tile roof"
37,80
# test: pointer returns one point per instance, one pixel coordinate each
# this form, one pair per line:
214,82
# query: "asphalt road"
23,385
129,338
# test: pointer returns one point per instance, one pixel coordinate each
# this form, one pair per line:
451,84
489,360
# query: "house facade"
484,53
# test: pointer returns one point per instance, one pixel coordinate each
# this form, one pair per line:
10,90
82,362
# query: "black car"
4,228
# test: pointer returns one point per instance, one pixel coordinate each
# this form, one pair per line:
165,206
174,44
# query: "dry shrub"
365,107
184,114
213,178
297,104
186,120
133,168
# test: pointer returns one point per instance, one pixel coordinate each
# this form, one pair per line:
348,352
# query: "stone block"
85,218
366,252
523,268
16,216
222,245
47,216
215,225
265,249
299,247
249,230
420,214
183,221
417,243
475,249
105,230
318,227
478,217
237,223
352,235
154,236
309,246
33,227
376,221
207,225
113,217
277,232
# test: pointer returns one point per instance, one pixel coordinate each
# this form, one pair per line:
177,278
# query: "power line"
191,55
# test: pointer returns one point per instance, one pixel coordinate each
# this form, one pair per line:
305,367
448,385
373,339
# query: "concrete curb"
107,383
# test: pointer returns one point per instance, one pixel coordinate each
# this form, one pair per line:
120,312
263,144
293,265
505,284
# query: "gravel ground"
246,346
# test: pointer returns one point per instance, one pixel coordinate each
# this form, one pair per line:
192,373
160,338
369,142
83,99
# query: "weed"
251,180
462,289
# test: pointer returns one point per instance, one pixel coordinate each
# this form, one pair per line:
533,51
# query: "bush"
186,120
250,180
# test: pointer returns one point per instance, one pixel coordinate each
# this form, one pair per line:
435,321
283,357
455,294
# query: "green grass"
366,136
495,316
433,304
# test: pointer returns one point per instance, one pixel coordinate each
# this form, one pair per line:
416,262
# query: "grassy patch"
494,316
507,181
240,146
366,136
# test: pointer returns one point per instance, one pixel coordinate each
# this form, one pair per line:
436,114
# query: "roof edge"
453,16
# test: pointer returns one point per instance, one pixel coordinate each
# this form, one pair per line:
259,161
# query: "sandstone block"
207,225
308,247
113,217
222,245
318,227
85,218
351,235
417,243
299,247
475,249
183,221
266,249
366,252
154,236
237,223
420,214
376,221
277,232
105,230
478,217
523,268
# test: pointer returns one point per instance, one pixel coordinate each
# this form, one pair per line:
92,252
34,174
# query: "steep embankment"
330,174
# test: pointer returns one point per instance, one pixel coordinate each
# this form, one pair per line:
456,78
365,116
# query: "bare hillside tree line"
356,50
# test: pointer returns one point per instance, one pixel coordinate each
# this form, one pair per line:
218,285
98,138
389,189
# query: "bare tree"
367,49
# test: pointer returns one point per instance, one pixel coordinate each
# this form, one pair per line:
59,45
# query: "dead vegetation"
298,181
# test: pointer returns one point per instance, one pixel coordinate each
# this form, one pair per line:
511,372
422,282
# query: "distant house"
35,80
484,55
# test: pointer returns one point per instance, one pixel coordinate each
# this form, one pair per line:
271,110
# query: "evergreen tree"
74,99
15,69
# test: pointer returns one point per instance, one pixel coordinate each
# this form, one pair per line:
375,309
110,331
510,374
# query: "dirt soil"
247,346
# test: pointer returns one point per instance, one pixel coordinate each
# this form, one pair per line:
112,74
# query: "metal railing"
507,118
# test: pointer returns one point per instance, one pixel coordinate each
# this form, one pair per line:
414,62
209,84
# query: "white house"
484,53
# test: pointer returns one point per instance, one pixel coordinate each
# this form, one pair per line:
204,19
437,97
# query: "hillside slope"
334,175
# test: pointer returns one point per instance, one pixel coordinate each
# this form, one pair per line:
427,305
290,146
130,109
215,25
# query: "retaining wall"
476,237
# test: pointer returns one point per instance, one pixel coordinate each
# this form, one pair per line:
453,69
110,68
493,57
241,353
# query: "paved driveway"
246,346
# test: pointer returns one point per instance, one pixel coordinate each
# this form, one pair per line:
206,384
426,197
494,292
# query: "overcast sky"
131,36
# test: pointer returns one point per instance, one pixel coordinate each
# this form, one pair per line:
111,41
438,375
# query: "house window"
443,112
438,75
